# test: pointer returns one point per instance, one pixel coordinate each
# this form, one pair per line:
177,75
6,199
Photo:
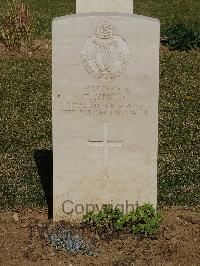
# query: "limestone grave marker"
87,6
105,112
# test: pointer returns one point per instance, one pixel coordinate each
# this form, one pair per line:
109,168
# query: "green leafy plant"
104,220
144,220
147,220
181,37
17,27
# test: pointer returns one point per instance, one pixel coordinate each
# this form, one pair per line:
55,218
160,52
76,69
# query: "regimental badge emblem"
105,54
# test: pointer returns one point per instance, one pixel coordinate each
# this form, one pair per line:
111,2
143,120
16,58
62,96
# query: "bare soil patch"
23,242
40,48
43,47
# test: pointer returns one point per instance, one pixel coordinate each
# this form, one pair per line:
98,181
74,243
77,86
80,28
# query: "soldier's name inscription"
103,101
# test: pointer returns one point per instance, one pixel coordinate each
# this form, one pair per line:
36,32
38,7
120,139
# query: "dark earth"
24,242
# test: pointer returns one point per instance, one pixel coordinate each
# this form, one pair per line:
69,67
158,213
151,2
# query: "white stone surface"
105,111
87,6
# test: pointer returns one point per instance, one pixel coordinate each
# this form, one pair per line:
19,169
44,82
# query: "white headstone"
105,111
87,6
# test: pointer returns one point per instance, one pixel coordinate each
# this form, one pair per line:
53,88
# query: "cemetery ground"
176,243
26,155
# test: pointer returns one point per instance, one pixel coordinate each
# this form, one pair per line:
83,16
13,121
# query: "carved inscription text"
100,101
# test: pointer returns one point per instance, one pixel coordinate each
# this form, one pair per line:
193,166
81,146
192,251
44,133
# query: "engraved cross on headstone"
105,143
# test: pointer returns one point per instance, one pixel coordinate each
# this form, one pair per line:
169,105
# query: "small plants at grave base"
64,239
16,27
144,220
181,37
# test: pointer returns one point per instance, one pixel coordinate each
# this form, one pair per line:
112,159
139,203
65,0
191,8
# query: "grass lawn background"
25,105
169,12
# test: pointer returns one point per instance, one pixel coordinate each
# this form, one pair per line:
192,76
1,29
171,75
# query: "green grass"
26,127
179,127
44,11
169,12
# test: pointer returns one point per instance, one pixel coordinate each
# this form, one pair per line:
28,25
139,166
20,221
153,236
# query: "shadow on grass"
44,161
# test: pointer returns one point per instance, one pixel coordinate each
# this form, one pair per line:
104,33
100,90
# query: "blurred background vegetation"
168,12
